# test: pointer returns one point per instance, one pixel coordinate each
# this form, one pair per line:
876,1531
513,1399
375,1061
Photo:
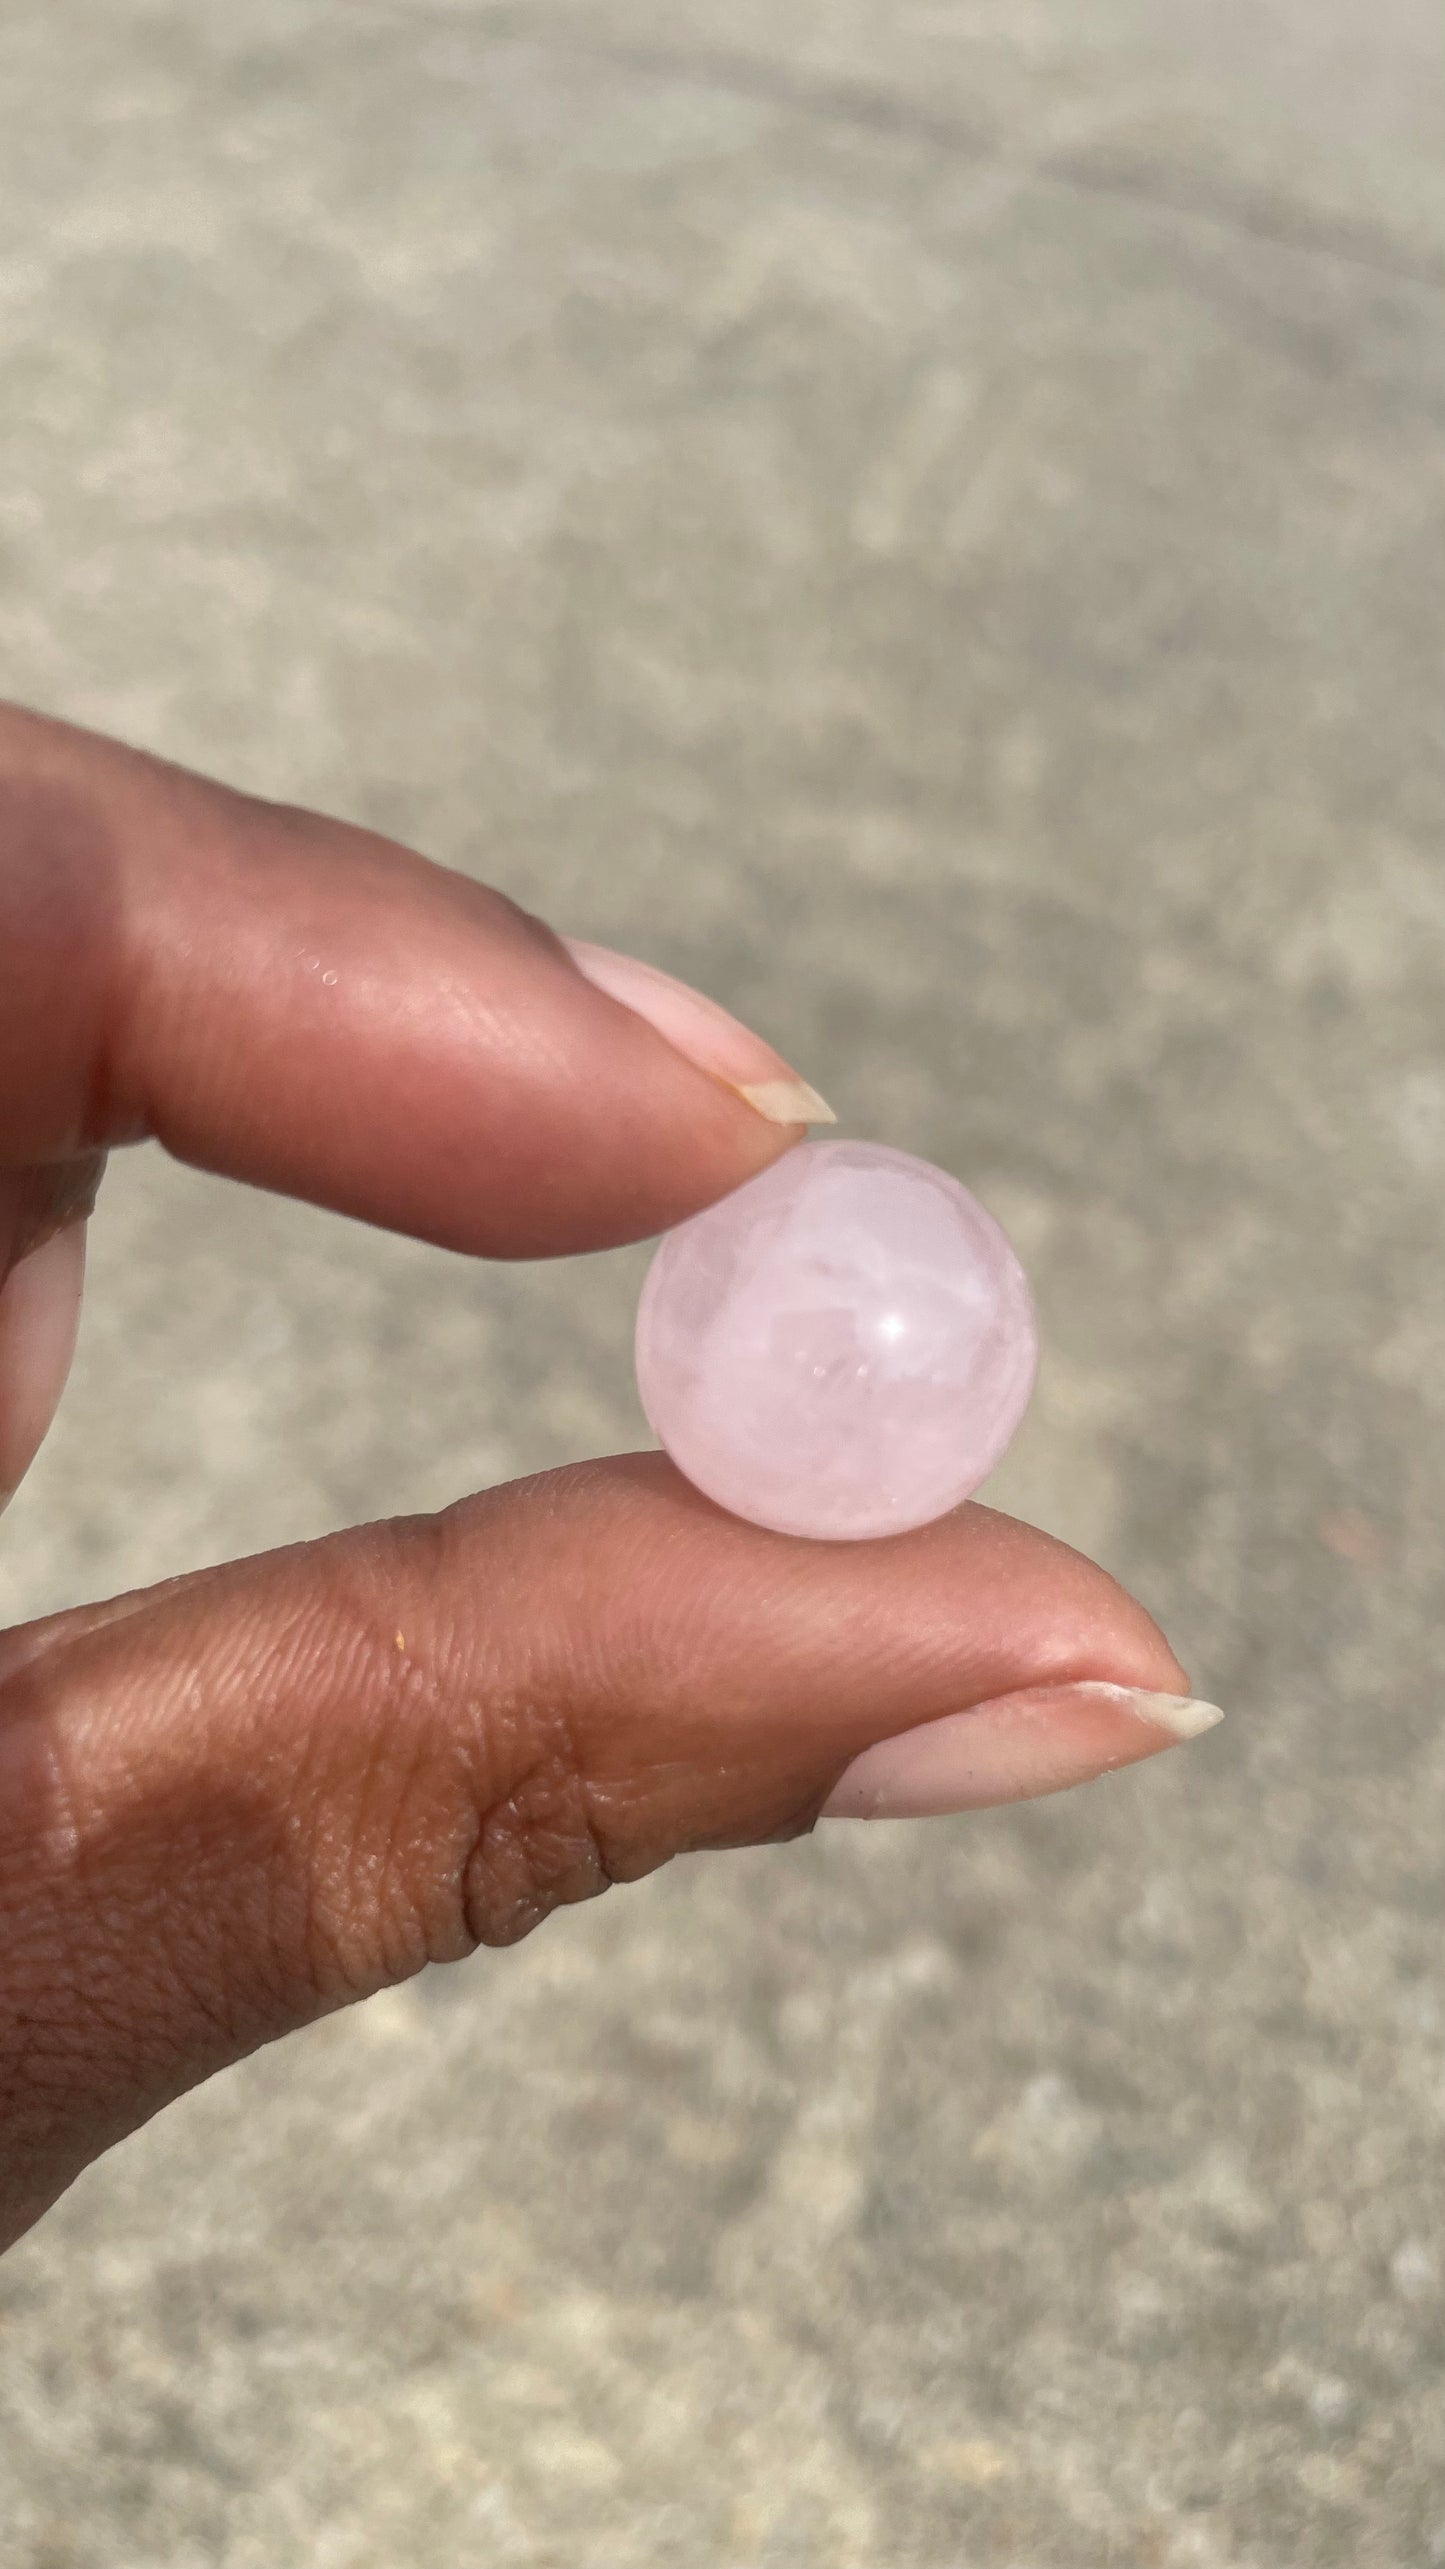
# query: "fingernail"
39,1324
704,1034
1014,1748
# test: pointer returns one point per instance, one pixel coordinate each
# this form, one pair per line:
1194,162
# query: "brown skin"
245,1798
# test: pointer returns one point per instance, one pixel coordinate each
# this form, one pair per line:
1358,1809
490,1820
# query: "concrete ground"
927,516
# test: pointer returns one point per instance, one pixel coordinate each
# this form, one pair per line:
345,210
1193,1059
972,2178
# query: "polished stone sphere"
843,1347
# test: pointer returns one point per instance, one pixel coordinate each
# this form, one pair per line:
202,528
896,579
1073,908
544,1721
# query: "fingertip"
706,1034
1017,1748
39,1325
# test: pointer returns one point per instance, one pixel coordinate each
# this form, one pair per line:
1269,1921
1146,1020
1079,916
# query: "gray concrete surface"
931,520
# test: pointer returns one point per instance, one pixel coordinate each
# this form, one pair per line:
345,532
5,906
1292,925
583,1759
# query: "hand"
244,1798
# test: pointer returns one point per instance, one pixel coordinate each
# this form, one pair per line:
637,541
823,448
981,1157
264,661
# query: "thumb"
42,1273
236,1802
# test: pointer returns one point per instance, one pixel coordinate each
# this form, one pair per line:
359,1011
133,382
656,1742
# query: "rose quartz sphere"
842,1347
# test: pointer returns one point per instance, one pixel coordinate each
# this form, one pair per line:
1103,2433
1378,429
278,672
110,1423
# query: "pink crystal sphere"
843,1347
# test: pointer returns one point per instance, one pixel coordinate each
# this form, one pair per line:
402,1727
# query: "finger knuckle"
539,1846
465,1818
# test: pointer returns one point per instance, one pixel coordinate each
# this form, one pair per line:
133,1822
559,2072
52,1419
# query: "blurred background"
926,517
